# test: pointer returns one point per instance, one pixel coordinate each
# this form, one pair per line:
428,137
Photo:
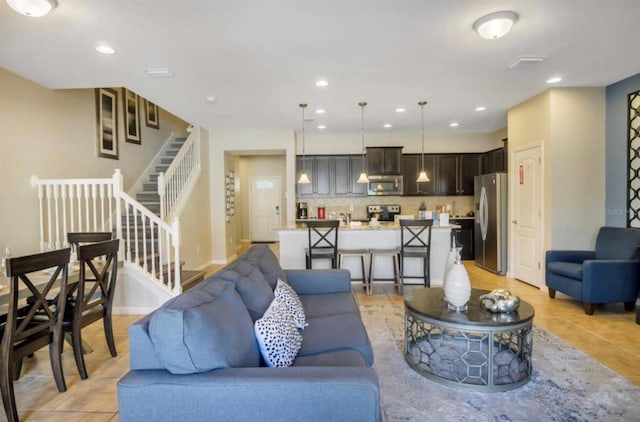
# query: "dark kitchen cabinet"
464,237
493,161
455,173
411,166
384,160
346,170
319,171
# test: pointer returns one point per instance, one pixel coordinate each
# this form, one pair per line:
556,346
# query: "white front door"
527,215
265,208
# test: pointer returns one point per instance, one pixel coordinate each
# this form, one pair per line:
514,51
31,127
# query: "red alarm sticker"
521,174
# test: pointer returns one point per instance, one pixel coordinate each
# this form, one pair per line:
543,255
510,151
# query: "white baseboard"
205,265
132,310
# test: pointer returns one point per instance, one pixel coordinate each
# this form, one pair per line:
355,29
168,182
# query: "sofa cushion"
252,286
203,330
336,358
329,304
336,332
278,336
617,243
567,269
264,258
285,294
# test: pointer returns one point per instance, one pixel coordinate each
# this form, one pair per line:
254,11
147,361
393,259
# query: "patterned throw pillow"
285,294
278,338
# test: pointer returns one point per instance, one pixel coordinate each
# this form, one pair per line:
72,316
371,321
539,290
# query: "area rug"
566,385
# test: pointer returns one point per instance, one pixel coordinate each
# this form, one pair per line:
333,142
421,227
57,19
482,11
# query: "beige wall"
570,125
498,136
52,134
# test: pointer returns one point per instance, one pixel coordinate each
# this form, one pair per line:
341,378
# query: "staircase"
150,198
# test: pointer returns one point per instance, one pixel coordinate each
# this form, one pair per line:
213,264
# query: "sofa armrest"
309,282
251,394
569,256
610,280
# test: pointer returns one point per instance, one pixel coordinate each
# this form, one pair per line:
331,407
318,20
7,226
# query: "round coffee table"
475,348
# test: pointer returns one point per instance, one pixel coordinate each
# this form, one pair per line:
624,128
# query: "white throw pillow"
277,335
285,294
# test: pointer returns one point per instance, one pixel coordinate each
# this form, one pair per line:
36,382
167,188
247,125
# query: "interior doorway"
527,218
265,206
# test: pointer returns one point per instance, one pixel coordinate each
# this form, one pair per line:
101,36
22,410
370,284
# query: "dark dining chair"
323,242
77,239
91,298
35,322
415,242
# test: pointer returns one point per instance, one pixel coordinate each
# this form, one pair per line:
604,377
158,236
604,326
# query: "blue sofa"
210,326
610,273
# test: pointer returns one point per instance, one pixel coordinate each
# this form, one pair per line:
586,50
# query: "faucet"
345,217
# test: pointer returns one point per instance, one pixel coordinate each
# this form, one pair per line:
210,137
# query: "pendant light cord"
422,104
362,105
304,161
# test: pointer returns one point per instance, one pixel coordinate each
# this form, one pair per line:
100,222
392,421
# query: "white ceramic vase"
457,287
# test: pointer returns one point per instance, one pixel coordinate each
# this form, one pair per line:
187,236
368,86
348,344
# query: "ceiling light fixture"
400,110
481,108
304,179
495,25
387,125
554,80
363,175
454,124
161,72
105,49
322,82
422,177
321,111
322,127
33,8
210,99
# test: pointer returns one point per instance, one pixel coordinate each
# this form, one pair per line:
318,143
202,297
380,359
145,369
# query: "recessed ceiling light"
387,125
454,124
322,82
400,110
321,127
495,25
321,111
159,73
33,8
481,108
210,99
105,49
554,80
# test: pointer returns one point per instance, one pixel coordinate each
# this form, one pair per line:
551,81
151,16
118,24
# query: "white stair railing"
147,242
175,184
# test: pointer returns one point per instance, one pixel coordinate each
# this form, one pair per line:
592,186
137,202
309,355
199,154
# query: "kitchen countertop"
363,226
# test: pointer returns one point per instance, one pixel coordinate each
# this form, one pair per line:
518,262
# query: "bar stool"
394,254
415,241
323,242
356,253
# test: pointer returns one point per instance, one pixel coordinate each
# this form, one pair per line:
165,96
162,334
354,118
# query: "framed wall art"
131,117
152,117
107,122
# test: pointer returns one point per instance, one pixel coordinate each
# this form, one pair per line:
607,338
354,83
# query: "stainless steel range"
383,212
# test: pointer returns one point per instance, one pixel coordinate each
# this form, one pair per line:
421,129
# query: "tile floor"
610,336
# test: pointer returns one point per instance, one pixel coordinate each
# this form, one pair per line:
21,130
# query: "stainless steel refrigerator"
491,221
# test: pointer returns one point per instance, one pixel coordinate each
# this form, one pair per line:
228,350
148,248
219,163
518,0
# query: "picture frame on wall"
107,122
152,117
131,117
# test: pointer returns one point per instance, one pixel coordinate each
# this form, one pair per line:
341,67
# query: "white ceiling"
260,58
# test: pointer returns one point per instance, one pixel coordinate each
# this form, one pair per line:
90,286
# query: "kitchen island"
294,240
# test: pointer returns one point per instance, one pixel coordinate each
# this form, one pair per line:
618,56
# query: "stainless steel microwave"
385,185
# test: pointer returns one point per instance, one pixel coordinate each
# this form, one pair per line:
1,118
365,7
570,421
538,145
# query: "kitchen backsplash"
460,205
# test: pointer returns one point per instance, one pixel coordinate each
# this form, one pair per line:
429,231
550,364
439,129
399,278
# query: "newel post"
175,240
161,194
117,191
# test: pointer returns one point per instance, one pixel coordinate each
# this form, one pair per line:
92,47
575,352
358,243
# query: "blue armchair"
608,274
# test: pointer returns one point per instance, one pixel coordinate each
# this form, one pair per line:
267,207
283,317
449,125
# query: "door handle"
277,210
514,221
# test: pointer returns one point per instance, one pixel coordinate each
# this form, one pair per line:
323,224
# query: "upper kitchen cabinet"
319,171
411,166
384,160
346,170
493,161
455,173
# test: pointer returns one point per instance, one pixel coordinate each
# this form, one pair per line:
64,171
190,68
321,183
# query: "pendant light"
33,8
363,176
423,175
304,179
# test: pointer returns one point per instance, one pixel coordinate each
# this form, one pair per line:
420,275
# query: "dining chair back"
415,242
31,321
323,241
91,299
77,239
